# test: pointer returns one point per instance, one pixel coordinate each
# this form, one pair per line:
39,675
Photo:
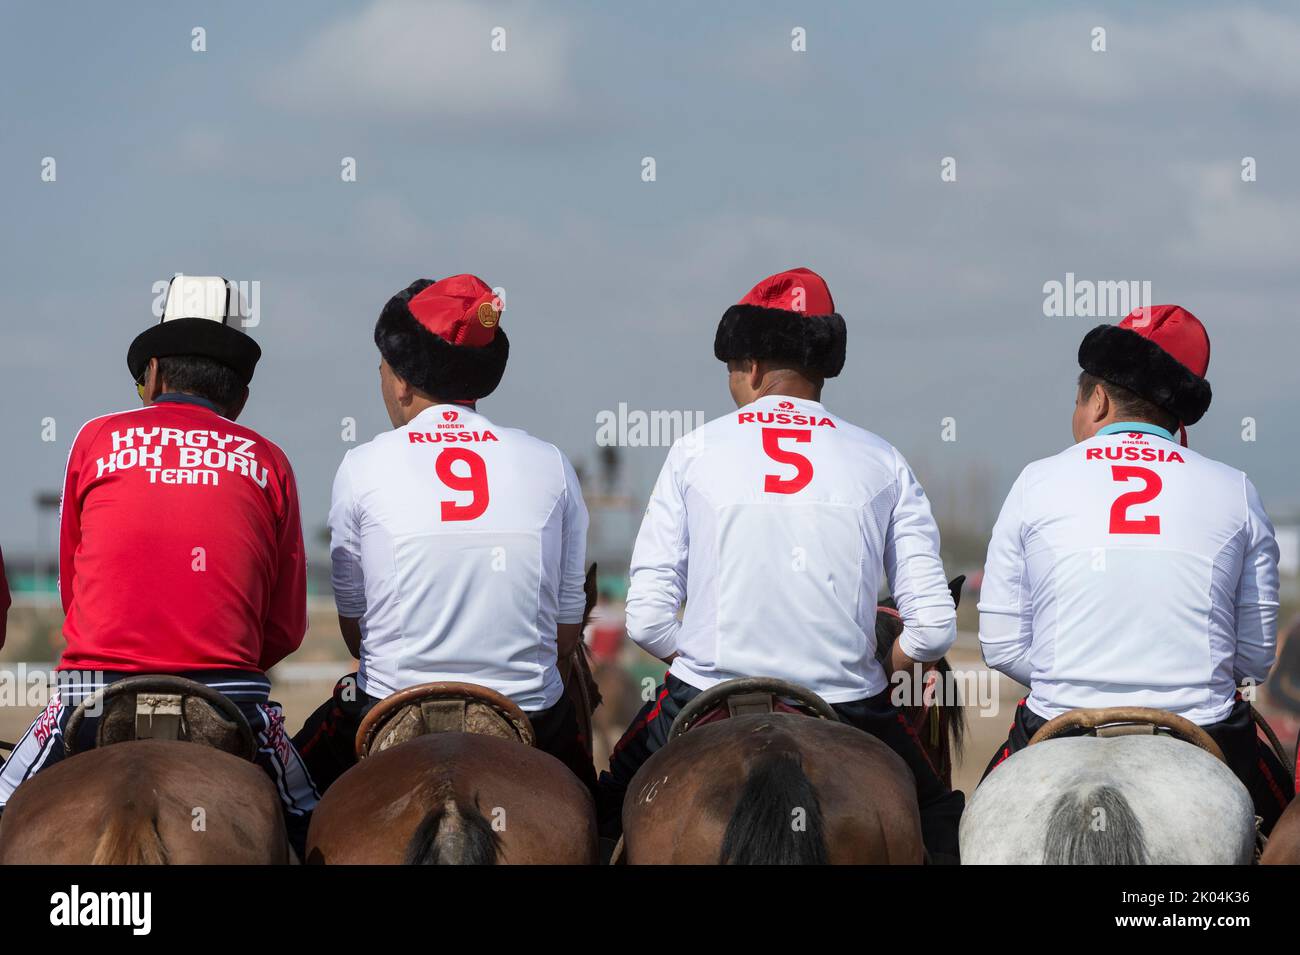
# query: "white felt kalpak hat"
200,317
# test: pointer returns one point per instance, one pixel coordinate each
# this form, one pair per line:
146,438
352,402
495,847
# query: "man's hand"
351,628
568,637
898,660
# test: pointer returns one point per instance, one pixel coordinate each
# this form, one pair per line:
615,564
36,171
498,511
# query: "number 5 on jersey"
475,483
774,483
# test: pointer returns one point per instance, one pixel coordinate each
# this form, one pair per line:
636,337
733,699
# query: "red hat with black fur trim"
445,338
1160,353
788,317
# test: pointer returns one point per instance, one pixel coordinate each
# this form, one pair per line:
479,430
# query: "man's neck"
420,404
790,386
184,397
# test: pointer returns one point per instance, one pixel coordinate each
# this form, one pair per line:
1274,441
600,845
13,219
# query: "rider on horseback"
457,544
775,524
1128,570
180,547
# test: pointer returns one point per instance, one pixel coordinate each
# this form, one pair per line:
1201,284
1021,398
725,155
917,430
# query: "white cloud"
412,60
1235,51
1235,224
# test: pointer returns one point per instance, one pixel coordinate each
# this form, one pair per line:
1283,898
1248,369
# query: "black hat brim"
1125,358
814,343
195,336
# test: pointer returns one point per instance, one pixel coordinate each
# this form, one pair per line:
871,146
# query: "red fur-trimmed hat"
787,317
1160,352
445,338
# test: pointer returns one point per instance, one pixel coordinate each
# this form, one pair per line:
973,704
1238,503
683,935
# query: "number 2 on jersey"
774,483
1120,522
475,483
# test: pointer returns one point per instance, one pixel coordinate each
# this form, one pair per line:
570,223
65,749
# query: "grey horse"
1120,800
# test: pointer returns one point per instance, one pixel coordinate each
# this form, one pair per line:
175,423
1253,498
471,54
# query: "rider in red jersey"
180,544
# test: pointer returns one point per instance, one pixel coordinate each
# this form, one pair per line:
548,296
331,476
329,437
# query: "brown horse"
146,802
455,798
1283,846
452,797
729,791
775,788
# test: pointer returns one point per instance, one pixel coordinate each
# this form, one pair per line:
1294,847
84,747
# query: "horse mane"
450,834
761,830
888,629
1074,839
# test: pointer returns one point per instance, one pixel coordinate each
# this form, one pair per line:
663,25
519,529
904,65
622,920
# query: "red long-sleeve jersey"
4,600
180,545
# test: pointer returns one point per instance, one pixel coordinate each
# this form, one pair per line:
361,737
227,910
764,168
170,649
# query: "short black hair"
196,375
1132,406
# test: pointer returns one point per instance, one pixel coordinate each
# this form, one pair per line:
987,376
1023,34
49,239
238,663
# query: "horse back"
458,798
145,802
769,788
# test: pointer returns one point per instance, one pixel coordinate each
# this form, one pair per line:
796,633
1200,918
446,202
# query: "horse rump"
451,835
778,817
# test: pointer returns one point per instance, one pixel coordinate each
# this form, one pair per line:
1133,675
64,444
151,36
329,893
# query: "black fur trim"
194,336
812,342
1125,358
434,366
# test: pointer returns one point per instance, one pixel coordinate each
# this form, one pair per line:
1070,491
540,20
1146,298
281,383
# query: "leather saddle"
162,707
748,696
441,708
1127,721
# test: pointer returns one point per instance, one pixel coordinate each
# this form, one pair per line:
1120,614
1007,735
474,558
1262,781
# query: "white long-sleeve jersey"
775,523
460,545
1128,570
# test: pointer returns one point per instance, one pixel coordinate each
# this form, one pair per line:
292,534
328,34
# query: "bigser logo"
450,415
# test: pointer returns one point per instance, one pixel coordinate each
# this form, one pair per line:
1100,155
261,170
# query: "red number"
774,483
1119,519
475,482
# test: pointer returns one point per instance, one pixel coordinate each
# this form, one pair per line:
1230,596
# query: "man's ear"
1100,403
755,371
233,413
152,381
402,389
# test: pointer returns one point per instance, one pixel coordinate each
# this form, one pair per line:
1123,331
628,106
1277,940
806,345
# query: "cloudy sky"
525,167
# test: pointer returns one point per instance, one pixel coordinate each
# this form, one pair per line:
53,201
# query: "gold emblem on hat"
487,315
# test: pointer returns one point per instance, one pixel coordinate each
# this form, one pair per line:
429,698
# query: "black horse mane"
888,629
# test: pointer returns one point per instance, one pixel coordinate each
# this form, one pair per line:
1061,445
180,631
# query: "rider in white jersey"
455,575
782,519
775,525
457,544
1129,570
